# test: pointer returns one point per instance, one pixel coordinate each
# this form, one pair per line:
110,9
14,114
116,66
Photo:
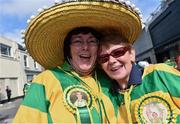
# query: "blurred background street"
8,110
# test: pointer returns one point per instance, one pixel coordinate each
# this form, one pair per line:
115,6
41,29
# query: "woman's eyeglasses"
115,53
80,43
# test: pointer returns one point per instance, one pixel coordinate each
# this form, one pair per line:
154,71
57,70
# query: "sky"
15,13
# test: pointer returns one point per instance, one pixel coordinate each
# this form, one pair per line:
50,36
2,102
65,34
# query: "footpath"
8,110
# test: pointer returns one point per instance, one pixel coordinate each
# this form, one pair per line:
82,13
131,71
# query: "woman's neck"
123,84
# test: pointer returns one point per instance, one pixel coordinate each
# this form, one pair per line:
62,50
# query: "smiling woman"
151,97
83,45
83,52
116,55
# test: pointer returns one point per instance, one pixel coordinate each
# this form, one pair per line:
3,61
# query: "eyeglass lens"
115,53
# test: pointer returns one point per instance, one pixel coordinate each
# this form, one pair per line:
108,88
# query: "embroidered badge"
155,108
77,96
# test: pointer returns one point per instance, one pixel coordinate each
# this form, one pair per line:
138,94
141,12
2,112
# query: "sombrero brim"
44,38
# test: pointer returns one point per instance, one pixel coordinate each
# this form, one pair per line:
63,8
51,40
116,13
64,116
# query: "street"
8,110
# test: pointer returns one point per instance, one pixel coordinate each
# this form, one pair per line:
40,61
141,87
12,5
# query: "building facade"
160,38
16,68
144,47
165,31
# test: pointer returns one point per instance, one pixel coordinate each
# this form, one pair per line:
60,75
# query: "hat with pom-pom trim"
44,37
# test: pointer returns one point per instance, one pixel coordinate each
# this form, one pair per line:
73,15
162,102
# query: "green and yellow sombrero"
44,37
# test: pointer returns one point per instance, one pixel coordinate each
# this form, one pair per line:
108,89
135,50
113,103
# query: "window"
25,61
29,78
35,65
5,50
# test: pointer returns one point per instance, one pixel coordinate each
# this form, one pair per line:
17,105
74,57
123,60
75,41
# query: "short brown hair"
113,36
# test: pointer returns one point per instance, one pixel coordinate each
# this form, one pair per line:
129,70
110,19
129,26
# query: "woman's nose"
112,59
85,45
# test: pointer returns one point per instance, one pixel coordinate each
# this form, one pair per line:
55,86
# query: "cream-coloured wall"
9,67
13,45
30,62
13,73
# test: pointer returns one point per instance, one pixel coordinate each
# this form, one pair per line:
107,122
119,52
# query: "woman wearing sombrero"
64,40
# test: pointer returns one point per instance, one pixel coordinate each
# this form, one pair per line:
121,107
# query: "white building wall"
13,73
31,62
9,69
32,68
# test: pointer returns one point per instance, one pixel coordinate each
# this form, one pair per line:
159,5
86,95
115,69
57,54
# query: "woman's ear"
132,55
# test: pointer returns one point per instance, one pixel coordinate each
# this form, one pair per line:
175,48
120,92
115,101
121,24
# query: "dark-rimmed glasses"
115,53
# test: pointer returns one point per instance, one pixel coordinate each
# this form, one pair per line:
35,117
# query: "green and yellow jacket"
52,95
153,97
